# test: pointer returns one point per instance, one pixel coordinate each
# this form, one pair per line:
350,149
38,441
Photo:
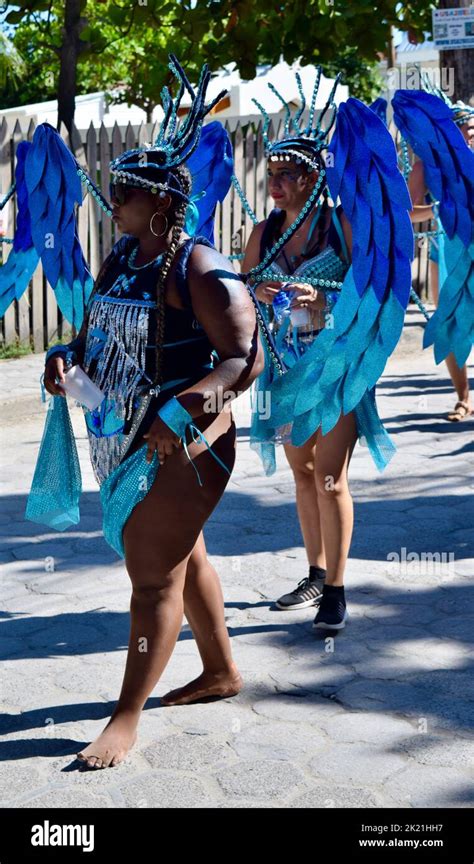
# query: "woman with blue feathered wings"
168,326
348,269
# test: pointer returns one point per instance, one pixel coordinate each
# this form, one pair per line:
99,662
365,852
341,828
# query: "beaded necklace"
256,273
291,263
133,255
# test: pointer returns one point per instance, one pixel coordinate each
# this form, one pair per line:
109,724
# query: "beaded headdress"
460,111
301,144
151,166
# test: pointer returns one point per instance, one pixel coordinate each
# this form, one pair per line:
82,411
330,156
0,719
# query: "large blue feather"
15,275
379,107
425,121
451,328
54,188
22,239
22,261
211,167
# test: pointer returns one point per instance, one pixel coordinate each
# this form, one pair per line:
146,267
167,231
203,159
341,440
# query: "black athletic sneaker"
332,612
308,592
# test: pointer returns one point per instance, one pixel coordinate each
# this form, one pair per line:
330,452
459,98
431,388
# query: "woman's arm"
56,359
417,189
78,345
264,291
226,313
224,309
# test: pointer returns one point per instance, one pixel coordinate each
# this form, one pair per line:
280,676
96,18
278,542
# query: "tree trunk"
391,53
460,60
70,48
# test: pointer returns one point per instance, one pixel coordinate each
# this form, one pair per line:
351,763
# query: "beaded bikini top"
326,265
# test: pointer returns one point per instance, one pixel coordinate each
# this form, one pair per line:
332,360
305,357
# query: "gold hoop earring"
165,230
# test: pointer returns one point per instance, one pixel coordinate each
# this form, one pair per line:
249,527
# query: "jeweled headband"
462,113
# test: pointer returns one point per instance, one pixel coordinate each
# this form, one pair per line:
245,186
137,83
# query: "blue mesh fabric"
56,488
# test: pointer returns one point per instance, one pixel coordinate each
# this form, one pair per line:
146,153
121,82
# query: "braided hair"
184,179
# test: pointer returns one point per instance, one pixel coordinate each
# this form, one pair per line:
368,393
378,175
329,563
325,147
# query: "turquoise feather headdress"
301,144
151,167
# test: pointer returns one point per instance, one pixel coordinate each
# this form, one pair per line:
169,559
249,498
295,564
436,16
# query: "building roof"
421,51
93,107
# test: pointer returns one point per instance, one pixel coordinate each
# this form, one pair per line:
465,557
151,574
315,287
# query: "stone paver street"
380,716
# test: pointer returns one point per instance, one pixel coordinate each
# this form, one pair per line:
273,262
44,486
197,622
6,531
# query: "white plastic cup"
300,317
78,385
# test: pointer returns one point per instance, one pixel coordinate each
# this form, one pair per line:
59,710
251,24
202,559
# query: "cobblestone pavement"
381,716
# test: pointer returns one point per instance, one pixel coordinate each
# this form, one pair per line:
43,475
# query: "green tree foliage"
125,43
12,65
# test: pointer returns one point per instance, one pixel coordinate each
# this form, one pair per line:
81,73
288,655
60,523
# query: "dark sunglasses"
120,192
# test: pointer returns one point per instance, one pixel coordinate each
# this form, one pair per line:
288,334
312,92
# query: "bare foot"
206,685
461,411
112,745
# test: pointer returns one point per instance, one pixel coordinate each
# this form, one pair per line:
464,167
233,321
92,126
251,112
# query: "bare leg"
458,375
332,456
204,610
301,462
459,379
159,538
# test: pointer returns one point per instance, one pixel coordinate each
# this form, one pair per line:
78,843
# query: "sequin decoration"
117,336
125,487
325,266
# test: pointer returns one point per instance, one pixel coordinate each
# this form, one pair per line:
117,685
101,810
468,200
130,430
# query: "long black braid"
184,177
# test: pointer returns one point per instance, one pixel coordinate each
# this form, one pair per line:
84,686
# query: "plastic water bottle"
281,305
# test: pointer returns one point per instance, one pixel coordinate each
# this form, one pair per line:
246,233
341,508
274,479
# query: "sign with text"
453,28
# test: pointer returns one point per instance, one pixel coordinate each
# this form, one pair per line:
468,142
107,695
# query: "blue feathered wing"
54,188
379,107
22,261
48,189
425,121
346,360
211,167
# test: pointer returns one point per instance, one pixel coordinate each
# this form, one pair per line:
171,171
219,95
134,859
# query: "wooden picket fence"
35,319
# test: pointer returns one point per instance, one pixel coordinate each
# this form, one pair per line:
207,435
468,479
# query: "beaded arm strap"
179,420
63,351
175,416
